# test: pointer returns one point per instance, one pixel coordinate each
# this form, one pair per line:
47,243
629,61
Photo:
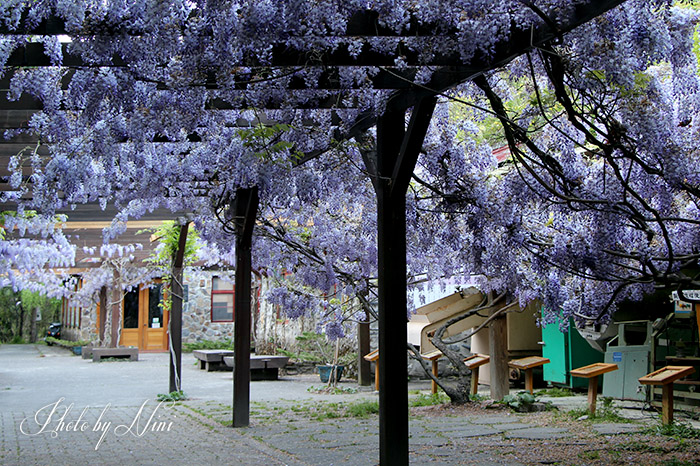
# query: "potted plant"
315,348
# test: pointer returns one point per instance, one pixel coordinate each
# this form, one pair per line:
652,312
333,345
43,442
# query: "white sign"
689,294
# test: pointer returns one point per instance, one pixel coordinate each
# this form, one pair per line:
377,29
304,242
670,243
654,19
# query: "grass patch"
326,390
676,430
172,396
322,411
363,409
590,455
556,392
643,447
428,400
479,397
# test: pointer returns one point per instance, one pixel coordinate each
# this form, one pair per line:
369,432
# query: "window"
131,309
221,300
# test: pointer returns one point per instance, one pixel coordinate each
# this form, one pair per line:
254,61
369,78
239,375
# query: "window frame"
231,292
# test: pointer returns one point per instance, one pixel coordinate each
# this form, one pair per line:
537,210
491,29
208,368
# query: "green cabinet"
566,350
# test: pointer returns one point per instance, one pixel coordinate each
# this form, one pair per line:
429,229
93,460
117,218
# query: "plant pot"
325,372
78,350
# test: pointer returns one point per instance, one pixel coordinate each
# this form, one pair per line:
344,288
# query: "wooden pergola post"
175,322
391,170
363,346
245,210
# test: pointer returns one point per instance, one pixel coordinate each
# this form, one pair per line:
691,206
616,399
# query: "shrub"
66,343
226,344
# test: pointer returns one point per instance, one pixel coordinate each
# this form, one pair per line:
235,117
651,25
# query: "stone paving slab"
469,430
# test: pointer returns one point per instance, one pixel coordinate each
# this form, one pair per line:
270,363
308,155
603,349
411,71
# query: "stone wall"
196,310
88,326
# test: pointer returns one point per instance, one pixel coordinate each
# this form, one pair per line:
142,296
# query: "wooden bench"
665,377
212,359
87,352
262,367
591,372
528,364
473,362
433,357
98,353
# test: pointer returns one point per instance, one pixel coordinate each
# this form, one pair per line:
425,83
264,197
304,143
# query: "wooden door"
144,322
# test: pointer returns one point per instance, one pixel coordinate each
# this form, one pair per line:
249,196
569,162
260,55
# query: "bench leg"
667,404
376,376
592,394
475,380
529,385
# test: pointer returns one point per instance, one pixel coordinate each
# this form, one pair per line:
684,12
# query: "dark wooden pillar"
175,323
396,156
103,315
245,209
364,376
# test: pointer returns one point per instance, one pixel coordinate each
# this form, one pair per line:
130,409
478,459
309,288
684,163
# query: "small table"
665,377
591,372
527,364
433,356
473,362
374,357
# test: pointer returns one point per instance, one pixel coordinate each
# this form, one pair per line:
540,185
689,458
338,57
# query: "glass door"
144,321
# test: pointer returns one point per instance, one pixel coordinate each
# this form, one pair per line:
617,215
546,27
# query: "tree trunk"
20,330
32,327
498,349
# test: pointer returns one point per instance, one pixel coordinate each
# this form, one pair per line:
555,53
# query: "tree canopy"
178,104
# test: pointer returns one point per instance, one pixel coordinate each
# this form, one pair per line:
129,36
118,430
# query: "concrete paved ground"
56,408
